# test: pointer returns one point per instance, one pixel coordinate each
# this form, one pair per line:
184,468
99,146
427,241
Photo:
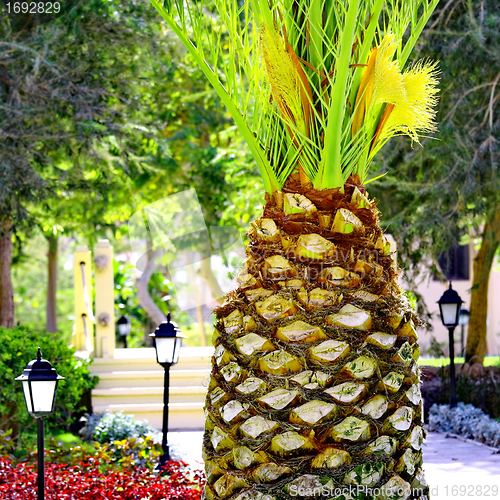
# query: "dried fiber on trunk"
314,381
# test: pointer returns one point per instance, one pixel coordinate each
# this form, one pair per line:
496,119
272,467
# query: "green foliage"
123,454
435,196
29,272
139,123
18,346
129,115
109,427
116,438
482,392
194,333
440,361
7,444
26,442
436,348
232,42
161,291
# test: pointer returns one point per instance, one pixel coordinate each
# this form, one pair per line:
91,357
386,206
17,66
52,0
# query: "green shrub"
482,392
110,427
465,420
118,455
7,446
18,346
90,422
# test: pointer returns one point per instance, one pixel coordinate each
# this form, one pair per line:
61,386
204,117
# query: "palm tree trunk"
52,284
476,338
6,290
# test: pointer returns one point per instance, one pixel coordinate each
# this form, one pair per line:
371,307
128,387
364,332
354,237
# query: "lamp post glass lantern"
39,382
449,308
124,327
167,342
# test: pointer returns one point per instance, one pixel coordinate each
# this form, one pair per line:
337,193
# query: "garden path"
460,470
453,468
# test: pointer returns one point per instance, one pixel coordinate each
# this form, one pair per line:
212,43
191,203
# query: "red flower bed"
85,482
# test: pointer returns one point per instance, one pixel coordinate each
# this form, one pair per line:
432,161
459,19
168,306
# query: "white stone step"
140,391
119,395
181,416
132,382
144,378
145,359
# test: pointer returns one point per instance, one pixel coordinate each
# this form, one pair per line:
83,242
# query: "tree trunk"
203,333
198,298
6,291
52,284
206,273
145,299
476,338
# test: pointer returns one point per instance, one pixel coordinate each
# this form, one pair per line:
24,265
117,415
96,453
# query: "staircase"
132,382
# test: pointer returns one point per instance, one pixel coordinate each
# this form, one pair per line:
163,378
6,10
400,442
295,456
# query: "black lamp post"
124,326
462,321
40,386
449,308
167,342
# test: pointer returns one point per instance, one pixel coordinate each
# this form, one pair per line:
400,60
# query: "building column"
83,305
104,300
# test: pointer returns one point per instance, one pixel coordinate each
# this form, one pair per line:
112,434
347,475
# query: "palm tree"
315,383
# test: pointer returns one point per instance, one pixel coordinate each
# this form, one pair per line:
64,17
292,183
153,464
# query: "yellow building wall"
104,300
83,317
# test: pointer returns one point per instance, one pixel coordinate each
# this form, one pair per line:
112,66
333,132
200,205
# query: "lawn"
488,361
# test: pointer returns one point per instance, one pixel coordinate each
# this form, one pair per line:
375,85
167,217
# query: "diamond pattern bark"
315,377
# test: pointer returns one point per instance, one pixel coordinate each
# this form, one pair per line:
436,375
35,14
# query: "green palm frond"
289,72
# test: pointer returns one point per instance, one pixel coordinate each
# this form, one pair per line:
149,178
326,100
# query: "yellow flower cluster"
416,114
410,97
388,85
285,81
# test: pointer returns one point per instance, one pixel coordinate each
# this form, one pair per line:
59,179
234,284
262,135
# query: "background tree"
53,108
451,186
92,132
